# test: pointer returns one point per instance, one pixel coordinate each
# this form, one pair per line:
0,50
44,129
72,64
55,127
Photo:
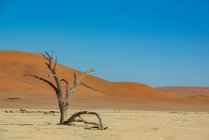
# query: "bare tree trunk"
62,112
63,105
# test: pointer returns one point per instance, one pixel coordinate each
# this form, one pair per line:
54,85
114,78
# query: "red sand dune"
15,65
33,93
192,92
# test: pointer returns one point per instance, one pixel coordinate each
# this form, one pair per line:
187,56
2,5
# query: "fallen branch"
77,118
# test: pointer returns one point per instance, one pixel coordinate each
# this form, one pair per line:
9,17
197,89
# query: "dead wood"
77,117
64,99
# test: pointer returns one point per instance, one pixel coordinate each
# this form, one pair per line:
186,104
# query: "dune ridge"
15,65
20,91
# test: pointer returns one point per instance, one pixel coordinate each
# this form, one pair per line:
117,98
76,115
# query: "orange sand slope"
98,94
15,65
192,92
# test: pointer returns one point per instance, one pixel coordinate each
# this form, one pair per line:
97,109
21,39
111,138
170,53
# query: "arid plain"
129,110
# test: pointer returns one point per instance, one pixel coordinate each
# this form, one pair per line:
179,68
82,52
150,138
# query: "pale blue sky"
156,42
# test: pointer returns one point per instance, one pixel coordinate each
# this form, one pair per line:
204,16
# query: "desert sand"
193,92
16,65
130,110
123,125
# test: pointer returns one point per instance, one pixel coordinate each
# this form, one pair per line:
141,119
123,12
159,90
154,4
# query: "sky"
155,42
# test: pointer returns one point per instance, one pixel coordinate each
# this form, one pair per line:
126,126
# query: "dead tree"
64,99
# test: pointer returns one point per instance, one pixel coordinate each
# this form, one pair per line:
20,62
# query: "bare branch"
52,69
67,85
44,56
52,55
47,54
50,65
49,58
47,81
85,73
46,64
55,65
75,79
64,81
70,91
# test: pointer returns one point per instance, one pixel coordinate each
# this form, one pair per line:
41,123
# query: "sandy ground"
130,110
104,103
123,125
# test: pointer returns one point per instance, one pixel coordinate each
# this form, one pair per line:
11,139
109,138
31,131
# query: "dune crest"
15,65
